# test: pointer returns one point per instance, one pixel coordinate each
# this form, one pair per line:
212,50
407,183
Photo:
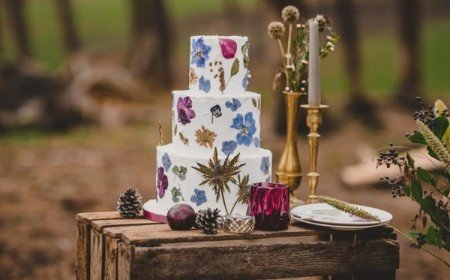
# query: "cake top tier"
219,64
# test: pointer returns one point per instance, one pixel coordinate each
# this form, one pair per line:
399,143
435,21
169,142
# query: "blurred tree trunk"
2,50
280,111
150,45
15,14
359,105
410,84
70,34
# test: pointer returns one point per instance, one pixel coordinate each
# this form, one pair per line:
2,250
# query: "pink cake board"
154,212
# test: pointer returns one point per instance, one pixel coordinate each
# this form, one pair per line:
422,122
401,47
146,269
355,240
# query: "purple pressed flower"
163,182
199,52
185,112
228,47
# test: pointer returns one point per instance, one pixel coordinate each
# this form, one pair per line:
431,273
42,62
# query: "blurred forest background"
83,84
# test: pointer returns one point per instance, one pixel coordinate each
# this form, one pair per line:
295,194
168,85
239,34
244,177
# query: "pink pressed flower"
228,47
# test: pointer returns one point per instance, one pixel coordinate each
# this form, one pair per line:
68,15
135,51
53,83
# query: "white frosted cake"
216,115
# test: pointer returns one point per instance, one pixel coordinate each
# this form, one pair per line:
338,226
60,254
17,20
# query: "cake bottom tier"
177,181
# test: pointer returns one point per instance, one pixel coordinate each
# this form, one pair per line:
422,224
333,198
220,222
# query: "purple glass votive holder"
269,204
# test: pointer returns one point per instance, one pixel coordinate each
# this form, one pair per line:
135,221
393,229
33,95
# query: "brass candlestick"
289,169
313,120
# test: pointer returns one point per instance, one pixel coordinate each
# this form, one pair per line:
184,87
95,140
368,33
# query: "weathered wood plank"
101,224
97,253
92,216
111,254
98,248
83,251
125,259
268,258
156,234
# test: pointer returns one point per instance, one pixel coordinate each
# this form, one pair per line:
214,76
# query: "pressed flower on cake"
246,127
163,182
228,47
205,137
265,164
192,76
199,197
233,105
185,112
166,161
245,81
204,84
199,52
228,147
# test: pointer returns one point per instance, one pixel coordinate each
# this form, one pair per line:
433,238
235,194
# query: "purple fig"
181,217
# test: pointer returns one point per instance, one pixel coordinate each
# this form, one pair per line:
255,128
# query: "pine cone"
129,203
207,220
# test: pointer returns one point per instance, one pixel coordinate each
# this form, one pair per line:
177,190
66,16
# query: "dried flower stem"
434,143
289,43
415,242
161,141
348,208
284,62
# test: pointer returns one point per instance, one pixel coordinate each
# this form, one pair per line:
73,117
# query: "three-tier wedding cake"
215,152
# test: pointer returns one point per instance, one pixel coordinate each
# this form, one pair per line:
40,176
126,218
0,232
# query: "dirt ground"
46,180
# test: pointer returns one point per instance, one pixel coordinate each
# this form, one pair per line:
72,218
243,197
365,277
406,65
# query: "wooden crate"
110,247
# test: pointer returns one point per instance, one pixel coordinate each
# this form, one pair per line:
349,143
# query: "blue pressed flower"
256,141
199,197
234,104
199,52
265,164
204,84
246,126
268,179
228,147
167,163
245,81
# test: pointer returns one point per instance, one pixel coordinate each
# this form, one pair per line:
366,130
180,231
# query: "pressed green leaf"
432,237
417,137
414,234
254,102
235,67
245,53
175,170
183,169
426,176
416,190
447,244
428,205
410,160
440,126
407,190
182,176
432,153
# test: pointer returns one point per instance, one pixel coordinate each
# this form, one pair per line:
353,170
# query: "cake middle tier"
229,122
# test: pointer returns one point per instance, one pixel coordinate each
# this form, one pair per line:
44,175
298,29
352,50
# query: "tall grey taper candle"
314,67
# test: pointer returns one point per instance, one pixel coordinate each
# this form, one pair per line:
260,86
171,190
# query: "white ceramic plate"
335,227
323,213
